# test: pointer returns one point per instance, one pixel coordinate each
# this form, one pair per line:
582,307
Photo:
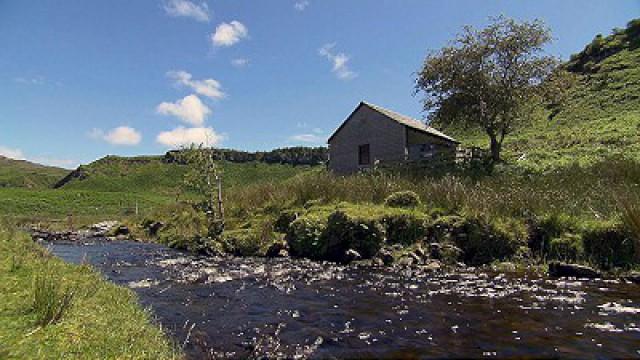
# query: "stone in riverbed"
572,270
351,255
385,255
277,249
634,277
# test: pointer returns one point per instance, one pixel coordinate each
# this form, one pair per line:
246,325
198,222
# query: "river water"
250,307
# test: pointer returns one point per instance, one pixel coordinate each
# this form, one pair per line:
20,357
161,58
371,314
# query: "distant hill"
163,174
600,119
21,173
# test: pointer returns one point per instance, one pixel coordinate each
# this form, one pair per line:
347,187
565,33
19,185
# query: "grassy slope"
152,175
103,322
20,173
114,185
601,118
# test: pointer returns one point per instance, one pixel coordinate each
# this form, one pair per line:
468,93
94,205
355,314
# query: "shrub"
304,237
403,199
481,241
185,229
545,228
404,229
566,247
608,244
50,301
284,220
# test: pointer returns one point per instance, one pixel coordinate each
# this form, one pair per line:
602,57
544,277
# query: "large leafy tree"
489,78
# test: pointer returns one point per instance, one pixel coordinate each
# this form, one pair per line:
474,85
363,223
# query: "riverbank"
50,310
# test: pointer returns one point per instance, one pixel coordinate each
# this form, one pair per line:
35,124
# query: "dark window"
363,155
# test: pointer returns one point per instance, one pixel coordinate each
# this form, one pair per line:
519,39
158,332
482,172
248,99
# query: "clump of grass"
50,300
631,219
403,199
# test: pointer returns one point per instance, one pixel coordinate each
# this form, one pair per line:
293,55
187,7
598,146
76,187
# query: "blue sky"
80,79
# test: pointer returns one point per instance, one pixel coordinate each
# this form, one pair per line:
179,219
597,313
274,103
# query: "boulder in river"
446,252
385,255
277,249
634,277
557,269
351,255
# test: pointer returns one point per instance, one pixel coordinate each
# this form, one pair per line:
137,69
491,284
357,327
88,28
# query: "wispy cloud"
228,34
190,109
37,80
18,154
121,135
315,136
182,136
339,61
185,8
301,5
11,153
207,87
240,62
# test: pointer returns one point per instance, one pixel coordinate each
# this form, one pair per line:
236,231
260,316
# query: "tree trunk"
496,146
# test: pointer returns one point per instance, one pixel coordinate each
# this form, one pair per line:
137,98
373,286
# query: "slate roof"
402,119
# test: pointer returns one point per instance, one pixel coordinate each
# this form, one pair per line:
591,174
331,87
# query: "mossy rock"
304,237
405,229
480,240
248,242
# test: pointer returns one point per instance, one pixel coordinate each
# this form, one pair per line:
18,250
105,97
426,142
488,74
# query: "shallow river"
246,307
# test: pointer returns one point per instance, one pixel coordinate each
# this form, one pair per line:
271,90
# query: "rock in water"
572,270
634,277
277,249
352,255
386,256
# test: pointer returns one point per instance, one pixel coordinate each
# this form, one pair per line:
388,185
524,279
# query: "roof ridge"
408,120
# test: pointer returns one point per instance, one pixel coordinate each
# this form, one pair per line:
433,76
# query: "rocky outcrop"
557,269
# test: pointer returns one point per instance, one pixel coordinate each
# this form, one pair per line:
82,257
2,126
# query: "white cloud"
182,136
240,62
300,5
187,8
228,34
123,135
308,138
12,153
206,87
339,60
18,154
62,163
38,80
190,109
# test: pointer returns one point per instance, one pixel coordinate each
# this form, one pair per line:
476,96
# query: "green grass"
58,203
98,321
151,174
19,173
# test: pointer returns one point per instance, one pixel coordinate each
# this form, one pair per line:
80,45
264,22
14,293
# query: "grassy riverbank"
52,310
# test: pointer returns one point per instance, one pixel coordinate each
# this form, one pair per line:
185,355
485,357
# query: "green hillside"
21,173
601,117
154,174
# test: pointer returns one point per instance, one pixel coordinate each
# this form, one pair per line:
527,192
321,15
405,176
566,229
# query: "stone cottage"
373,135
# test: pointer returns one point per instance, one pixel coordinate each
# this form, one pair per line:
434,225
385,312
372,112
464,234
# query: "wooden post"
70,220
